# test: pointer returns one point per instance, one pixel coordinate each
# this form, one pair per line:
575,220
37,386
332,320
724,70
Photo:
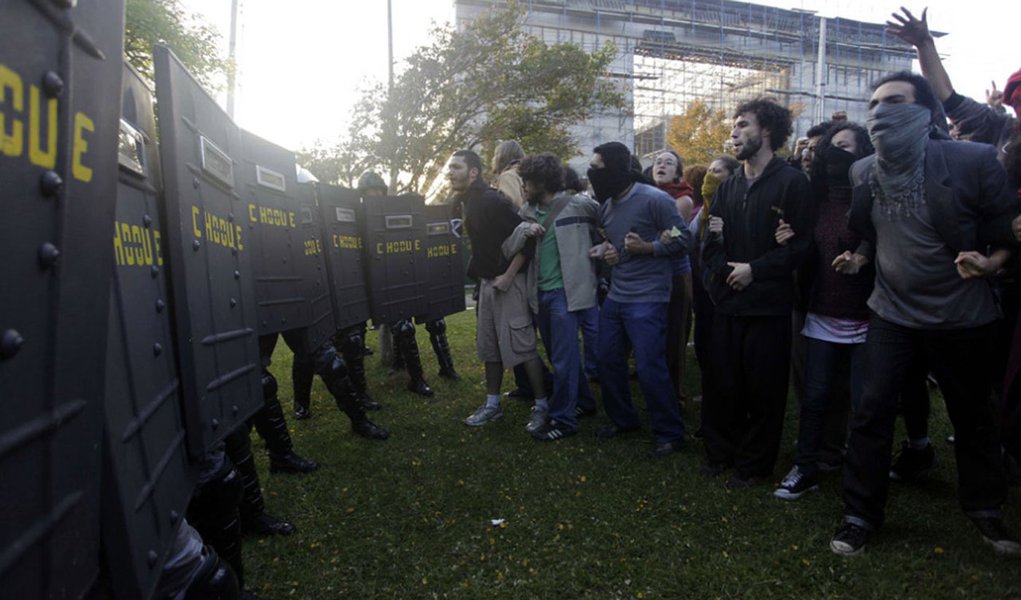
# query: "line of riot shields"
120,368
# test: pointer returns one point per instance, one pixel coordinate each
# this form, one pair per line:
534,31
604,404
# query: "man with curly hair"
748,275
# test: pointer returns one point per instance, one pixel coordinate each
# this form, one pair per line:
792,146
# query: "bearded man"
748,276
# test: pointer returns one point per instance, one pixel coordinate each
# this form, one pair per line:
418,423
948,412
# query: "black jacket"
970,203
489,217
750,218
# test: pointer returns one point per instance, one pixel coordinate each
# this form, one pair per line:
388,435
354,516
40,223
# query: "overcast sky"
303,61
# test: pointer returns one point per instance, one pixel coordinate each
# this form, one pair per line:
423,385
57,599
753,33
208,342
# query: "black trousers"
960,359
742,419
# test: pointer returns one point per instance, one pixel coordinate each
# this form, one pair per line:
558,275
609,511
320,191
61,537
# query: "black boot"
438,337
213,512
272,427
333,370
408,348
369,430
254,518
398,361
353,349
302,373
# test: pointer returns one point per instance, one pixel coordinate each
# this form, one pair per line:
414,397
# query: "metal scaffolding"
673,52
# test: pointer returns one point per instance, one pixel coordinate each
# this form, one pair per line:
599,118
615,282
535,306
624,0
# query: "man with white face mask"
930,205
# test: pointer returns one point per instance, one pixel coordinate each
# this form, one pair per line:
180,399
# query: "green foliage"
699,134
584,518
475,87
151,22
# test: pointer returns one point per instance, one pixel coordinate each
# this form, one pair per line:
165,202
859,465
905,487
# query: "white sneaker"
483,415
537,421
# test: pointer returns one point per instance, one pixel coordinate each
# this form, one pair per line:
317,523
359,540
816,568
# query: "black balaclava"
615,176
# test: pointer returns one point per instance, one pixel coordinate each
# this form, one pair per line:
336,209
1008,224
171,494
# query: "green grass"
584,518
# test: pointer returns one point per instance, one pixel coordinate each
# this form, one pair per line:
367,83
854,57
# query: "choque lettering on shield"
275,217
398,246
28,126
441,250
136,246
347,242
215,229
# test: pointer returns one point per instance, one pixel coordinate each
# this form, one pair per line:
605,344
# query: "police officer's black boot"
254,518
272,427
302,373
438,337
333,370
353,349
408,348
213,512
398,360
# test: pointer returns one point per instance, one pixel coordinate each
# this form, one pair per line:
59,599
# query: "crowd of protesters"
881,255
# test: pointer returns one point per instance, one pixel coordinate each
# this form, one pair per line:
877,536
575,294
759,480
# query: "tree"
151,22
699,134
472,88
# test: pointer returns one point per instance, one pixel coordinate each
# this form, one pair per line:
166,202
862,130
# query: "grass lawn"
586,518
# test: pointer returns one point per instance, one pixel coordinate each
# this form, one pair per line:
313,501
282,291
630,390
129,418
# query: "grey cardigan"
575,223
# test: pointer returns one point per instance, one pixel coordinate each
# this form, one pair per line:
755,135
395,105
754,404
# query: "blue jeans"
559,329
590,341
643,324
825,363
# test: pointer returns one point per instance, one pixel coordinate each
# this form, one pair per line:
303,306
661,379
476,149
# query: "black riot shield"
395,257
275,245
60,79
341,213
208,246
445,273
147,479
317,285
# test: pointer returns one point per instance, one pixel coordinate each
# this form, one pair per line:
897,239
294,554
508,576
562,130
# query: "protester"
561,281
667,170
505,336
631,218
748,276
839,281
927,202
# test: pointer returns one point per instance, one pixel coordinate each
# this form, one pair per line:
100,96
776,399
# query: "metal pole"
390,45
820,71
231,57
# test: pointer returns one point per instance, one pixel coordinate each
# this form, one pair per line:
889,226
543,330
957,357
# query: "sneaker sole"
842,549
495,417
1004,547
788,495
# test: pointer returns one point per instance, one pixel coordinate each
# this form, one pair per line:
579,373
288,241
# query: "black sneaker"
581,413
996,534
795,485
552,432
912,464
849,540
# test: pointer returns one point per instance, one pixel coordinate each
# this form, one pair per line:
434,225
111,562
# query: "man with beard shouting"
748,275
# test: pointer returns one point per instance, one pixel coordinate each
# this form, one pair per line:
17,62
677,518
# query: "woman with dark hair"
667,172
839,285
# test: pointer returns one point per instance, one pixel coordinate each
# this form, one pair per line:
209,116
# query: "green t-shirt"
550,277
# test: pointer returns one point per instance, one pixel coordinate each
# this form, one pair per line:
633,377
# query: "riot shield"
277,251
147,479
395,257
60,79
321,327
341,213
445,273
212,277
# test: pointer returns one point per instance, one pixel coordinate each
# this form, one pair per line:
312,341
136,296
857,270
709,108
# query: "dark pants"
743,418
644,325
678,317
829,367
961,362
559,329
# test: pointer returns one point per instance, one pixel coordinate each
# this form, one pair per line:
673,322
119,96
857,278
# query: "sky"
303,62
